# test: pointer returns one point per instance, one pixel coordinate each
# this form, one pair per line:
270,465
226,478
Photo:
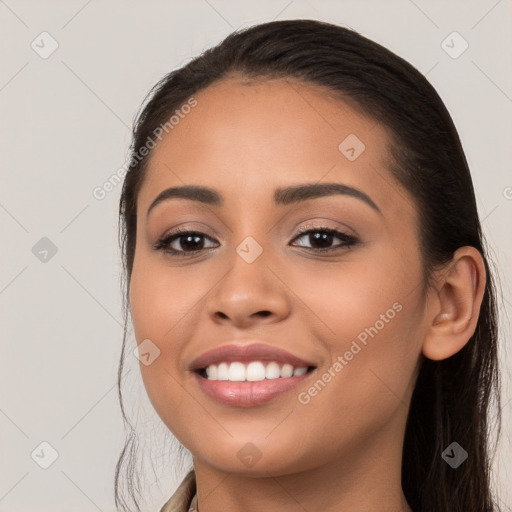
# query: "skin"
343,449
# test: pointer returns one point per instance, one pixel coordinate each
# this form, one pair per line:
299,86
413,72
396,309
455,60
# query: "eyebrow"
282,196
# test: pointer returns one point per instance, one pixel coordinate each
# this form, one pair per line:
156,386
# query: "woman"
307,280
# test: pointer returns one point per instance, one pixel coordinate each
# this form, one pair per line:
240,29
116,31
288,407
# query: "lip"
248,394
246,353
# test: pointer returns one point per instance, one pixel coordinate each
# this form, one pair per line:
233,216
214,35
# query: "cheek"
160,298
153,318
165,305
345,300
368,315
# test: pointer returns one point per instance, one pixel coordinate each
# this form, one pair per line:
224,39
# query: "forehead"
248,138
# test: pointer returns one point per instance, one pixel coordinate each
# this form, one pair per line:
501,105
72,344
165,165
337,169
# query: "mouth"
244,375
247,385
253,371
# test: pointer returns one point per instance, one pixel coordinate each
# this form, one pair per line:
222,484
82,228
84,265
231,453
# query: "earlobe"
454,304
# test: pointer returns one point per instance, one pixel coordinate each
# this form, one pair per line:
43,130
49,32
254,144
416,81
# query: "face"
331,276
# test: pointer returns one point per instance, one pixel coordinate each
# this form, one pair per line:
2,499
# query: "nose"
250,293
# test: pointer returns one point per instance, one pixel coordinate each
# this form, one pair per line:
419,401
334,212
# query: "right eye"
190,242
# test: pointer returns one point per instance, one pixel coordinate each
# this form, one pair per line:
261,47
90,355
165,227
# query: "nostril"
262,314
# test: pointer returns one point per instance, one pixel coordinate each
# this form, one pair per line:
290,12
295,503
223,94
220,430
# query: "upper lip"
246,353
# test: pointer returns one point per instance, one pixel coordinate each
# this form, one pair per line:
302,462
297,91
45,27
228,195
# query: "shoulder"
181,499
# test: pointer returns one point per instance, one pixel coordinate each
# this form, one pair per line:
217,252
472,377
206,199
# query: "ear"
454,304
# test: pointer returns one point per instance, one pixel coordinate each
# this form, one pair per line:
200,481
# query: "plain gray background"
65,129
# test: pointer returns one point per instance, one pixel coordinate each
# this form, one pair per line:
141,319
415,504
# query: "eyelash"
166,240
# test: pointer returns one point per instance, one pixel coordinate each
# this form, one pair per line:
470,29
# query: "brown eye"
321,238
182,242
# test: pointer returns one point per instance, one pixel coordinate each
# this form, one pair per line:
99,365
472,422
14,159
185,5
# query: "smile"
247,385
254,371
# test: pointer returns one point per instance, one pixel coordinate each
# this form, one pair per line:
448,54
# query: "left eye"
324,237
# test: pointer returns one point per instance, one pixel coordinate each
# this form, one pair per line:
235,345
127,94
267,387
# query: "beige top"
184,498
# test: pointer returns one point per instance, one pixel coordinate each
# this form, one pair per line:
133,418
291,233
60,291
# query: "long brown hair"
453,397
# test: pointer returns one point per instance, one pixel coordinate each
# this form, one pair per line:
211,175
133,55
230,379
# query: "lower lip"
248,394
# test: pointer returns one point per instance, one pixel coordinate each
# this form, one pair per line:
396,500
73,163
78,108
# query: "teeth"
272,371
255,371
287,370
236,372
252,372
211,371
222,371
